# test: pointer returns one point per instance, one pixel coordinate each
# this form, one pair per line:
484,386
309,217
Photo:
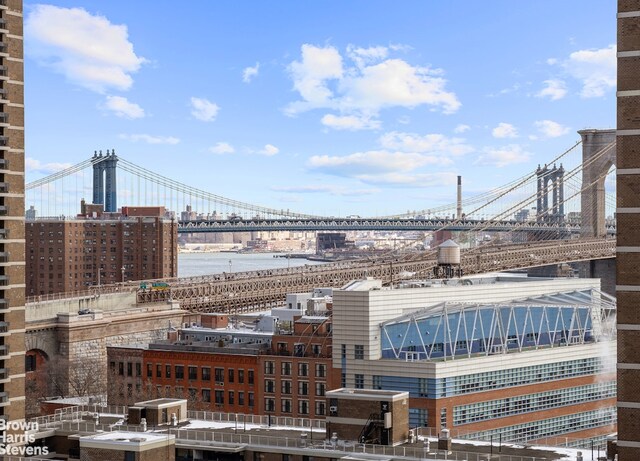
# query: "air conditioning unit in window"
333,409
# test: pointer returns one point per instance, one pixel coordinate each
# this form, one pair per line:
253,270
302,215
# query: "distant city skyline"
334,108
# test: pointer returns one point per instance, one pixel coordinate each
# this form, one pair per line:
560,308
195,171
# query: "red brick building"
209,380
230,370
70,255
298,371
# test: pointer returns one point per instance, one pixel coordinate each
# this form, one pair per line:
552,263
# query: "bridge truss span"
251,291
378,224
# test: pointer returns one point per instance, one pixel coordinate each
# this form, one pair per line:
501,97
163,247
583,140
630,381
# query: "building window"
179,371
206,373
193,372
303,388
138,369
269,368
219,374
206,395
240,376
286,387
359,381
121,368
231,398
320,389
303,369
286,405
167,370
149,370
303,407
320,407
158,371
422,387
129,369
269,404
269,386
231,375
443,417
30,363
219,397
358,352
343,380
321,370
250,377
376,382
285,369
240,398
251,399
343,351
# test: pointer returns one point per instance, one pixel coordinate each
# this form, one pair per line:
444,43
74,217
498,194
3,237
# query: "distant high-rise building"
73,254
12,346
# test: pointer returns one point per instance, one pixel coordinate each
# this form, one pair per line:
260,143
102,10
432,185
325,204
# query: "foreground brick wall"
628,213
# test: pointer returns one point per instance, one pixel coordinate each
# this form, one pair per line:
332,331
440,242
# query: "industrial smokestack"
459,209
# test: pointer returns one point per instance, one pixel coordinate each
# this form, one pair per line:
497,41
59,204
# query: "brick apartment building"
99,248
229,370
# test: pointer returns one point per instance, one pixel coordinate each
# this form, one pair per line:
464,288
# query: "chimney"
459,208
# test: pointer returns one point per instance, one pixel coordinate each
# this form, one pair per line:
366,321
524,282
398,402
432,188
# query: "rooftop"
236,432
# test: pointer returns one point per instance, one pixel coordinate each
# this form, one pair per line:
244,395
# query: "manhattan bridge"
555,214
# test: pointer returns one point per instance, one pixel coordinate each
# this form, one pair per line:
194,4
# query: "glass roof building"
495,356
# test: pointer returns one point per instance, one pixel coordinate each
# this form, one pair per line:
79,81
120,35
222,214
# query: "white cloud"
87,49
554,89
311,74
121,107
461,128
371,162
505,130
411,142
33,165
324,188
503,156
396,83
269,150
350,122
250,72
222,148
203,109
595,68
368,82
551,129
149,139
363,56
410,180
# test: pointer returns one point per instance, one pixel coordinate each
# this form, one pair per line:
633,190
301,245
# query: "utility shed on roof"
368,416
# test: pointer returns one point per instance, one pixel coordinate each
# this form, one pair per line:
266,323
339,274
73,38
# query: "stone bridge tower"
593,213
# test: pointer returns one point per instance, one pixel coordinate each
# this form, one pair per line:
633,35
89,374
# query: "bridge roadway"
376,224
247,291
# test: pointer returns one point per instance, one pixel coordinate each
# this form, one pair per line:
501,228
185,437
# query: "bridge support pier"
603,269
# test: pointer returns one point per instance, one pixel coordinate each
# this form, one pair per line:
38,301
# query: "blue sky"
332,107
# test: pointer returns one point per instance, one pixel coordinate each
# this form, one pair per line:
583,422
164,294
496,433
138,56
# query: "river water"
198,264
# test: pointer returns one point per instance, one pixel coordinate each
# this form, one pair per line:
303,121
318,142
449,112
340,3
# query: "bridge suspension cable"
196,193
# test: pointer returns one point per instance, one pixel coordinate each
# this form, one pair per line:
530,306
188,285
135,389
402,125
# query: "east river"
197,264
